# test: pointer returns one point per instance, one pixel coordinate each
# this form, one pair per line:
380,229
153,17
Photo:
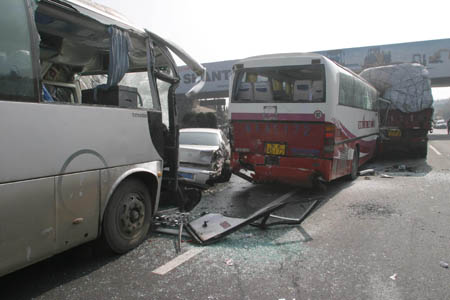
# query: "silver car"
204,155
440,124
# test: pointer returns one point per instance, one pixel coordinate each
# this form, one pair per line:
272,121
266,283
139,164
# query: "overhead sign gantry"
433,54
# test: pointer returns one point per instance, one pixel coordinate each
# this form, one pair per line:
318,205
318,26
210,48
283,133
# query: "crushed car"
204,155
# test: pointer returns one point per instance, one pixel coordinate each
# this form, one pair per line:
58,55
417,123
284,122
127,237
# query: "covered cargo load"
407,85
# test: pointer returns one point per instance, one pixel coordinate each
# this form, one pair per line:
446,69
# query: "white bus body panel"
59,166
40,140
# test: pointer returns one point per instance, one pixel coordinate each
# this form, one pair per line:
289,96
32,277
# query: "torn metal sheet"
213,227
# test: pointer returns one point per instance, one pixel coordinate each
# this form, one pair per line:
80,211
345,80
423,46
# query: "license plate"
394,132
275,149
186,175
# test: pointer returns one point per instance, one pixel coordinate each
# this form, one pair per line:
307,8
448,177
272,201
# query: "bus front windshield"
304,83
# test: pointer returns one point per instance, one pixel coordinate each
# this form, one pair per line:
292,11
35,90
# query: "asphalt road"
374,238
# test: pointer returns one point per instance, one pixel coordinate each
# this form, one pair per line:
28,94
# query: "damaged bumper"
198,175
291,170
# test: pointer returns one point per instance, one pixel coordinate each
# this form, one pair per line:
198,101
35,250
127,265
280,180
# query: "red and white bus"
300,117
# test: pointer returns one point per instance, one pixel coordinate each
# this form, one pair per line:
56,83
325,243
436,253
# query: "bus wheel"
127,217
355,164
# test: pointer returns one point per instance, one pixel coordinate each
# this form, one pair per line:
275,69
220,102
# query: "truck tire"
127,217
422,151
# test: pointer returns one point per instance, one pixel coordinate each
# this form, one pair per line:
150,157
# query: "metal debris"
210,228
213,227
367,172
393,277
229,262
386,176
172,218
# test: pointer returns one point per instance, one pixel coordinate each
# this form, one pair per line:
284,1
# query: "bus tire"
127,216
355,165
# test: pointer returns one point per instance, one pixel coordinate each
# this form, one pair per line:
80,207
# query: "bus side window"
346,90
374,98
17,80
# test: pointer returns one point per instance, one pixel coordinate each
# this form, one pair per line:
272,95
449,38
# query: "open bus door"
187,194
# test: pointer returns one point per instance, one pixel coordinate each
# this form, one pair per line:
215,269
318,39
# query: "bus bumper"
290,170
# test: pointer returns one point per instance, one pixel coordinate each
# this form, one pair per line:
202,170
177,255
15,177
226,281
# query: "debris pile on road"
212,227
400,168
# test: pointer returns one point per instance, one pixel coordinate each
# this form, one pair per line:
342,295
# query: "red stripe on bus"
279,117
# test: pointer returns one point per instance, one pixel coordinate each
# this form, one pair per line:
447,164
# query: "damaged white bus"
82,142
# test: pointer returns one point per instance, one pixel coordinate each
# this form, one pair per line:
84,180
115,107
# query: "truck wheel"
422,151
127,217
355,165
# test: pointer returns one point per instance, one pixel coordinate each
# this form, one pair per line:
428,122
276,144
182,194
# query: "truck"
405,107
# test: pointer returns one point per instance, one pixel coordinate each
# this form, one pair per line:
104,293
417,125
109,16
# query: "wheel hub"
133,214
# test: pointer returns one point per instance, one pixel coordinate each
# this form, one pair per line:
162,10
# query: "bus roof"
279,58
98,12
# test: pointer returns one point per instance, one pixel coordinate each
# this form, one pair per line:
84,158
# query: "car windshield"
199,138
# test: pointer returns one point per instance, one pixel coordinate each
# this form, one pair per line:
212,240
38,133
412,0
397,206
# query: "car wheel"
226,174
127,217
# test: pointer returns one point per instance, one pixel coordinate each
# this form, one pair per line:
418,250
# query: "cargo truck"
405,107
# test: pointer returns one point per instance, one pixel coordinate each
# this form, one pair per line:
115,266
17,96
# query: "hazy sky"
212,30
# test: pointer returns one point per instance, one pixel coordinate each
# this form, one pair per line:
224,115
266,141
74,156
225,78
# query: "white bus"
82,142
300,117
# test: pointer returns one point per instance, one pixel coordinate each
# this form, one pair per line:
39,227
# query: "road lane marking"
435,150
177,261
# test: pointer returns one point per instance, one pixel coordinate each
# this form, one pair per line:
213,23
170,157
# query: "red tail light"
328,142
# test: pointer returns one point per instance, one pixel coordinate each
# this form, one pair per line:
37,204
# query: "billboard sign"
433,54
